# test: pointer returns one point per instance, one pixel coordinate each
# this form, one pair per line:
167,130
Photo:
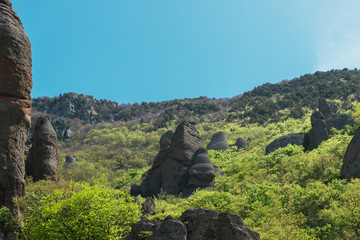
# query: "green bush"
91,213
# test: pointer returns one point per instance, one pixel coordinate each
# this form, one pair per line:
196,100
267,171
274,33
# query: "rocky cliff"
15,103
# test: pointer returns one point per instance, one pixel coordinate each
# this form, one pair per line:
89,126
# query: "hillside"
289,193
267,102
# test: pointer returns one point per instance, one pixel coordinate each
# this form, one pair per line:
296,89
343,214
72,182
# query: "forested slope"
288,194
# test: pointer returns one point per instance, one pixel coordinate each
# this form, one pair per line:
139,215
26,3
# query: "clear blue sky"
153,50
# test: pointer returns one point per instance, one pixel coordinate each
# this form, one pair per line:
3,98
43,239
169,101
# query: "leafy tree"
91,213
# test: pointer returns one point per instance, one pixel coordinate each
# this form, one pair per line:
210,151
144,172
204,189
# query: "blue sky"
154,50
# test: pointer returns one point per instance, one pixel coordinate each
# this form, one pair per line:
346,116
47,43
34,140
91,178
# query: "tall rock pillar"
15,103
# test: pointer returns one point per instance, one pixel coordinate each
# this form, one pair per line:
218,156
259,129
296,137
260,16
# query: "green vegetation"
288,194
89,213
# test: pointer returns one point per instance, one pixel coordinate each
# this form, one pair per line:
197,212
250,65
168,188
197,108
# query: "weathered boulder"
184,143
170,229
240,143
195,224
211,225
324,108
42,161
318,132
70,159
15,103
148,206
333,120
339,121
351,162
181,166
283,141
165,139
218,142
139,228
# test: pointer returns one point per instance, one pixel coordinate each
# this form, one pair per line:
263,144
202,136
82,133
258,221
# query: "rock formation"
42,161
240,144
293,138
351,162
195,224
218,142
70,159
60,125
333,120
148,207
165,139
181,166
318,132
15,103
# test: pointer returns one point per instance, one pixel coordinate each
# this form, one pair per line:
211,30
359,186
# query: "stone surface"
218,142
240,144
333,120
195,224
15,103
165,139
185,142
70,159
324,108
211,225
170,229
42,161
339,121
351,162
283,141
148,207
181,166
318,132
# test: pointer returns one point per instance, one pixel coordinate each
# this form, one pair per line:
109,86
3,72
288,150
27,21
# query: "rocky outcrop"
241,144
318,132
293,139
195,224
181,166
333,120
324,108
60,125
218,142
70,159
351,162
148,207
165,139
15,103
42,161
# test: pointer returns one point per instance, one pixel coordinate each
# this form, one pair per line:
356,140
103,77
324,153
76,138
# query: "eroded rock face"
165,139
241,143
70,159
283,141
351,162
181,166
218,142
333,120
42,161
318,132
15,103
195,224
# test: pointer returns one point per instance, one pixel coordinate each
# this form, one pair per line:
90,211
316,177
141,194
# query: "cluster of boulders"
181,166
194,224
15,104
219,142
322,122
42,161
